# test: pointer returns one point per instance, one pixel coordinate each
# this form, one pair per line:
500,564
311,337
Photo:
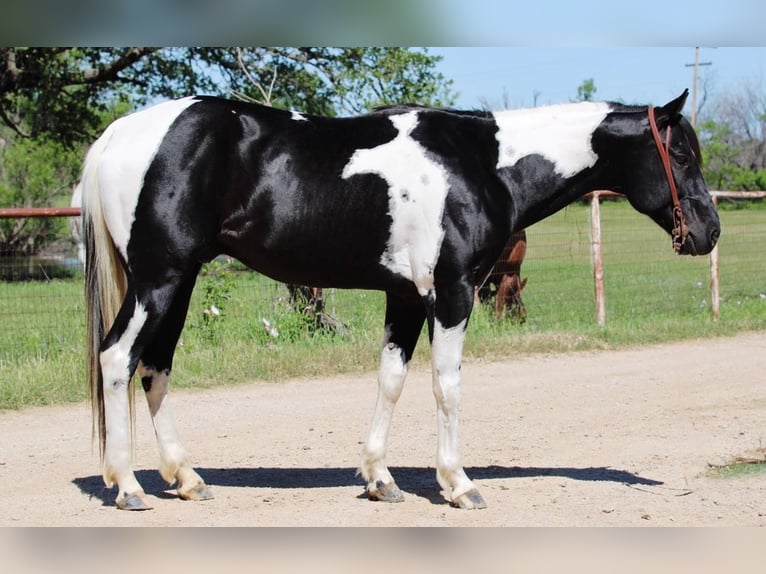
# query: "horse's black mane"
691,135
405,107
679,121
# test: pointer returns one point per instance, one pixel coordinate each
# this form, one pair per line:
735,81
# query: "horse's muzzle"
700,245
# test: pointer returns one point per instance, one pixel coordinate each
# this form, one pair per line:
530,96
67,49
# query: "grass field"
652,295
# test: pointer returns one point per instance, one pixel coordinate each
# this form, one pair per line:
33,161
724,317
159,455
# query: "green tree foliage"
60,92
723,155
63,91
34,172
586,91
331,81
733,140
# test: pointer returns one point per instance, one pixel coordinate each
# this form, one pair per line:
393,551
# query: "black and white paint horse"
412,201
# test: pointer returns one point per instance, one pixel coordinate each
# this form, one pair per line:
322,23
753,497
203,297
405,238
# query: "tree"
728,159
586,91
54,101
34,173
334,81
62,91
733,140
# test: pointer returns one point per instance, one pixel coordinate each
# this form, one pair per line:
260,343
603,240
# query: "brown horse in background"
504,282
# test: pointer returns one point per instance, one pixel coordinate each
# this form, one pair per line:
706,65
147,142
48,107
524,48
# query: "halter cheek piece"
680,230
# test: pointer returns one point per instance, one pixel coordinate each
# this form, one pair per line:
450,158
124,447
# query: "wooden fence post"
715,296
598,266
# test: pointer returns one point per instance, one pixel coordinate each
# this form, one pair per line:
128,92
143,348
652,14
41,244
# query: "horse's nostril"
714,235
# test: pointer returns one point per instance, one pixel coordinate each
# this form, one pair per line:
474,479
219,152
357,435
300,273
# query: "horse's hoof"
133,502
385,492
199,492
470,500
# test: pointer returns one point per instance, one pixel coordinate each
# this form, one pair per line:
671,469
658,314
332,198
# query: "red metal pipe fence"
18,212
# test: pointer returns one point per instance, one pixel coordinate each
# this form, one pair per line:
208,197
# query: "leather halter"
680,230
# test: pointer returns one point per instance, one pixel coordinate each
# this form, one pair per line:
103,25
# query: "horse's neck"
538,200
558,139
560,134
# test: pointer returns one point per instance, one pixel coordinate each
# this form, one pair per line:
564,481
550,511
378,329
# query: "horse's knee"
392,372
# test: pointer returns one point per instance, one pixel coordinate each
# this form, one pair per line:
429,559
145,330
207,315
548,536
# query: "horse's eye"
682,159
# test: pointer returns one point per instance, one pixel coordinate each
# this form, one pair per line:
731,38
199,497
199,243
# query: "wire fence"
42,302
642,275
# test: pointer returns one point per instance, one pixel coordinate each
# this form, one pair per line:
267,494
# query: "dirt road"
596,438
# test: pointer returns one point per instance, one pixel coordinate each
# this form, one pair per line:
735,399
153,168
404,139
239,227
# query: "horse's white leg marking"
391,375
446,353
174,459
118,463
172,453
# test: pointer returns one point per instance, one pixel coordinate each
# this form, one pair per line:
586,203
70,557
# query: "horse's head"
648,161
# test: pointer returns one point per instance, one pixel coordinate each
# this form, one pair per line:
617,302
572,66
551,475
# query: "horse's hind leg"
154,369
139,317
404,320
118,361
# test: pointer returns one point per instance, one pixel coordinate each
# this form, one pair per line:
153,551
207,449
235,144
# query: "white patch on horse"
133,142
115,368
391,375
446,351
297,116
173,455
417,190
560,133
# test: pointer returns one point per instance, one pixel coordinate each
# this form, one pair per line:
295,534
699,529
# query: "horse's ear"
672,110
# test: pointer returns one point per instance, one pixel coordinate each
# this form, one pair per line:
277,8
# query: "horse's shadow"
418,481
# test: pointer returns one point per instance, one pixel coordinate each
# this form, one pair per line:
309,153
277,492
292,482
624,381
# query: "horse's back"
202,176
350,202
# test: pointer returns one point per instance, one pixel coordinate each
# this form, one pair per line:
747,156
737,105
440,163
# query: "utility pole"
696,65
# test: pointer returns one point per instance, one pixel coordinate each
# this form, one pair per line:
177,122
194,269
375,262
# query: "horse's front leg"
503,296
404,319
447,330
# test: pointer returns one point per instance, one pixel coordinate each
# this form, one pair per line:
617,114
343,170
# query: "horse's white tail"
105,282
75,223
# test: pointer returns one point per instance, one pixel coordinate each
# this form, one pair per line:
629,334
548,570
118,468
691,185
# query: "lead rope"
680,230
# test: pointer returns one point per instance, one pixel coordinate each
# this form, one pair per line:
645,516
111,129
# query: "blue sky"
642,75
601,22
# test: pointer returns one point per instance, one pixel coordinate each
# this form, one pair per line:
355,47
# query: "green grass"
652,296
740,467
